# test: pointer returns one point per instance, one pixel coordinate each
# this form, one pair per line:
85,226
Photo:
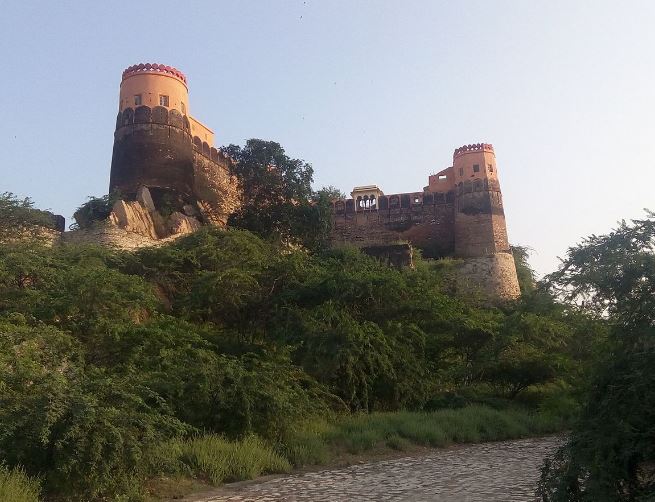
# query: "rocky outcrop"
142,217
180,224
134,217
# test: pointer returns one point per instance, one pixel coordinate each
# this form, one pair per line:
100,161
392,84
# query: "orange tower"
480,229
153,142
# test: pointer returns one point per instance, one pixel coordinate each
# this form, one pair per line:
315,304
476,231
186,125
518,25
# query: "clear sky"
367,91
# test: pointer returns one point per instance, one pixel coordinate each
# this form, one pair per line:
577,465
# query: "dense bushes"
105,355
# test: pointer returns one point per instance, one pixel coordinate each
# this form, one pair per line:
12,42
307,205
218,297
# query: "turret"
153,143
480,230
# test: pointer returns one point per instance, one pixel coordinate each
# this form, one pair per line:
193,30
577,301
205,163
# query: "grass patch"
318,441
216,459
17,486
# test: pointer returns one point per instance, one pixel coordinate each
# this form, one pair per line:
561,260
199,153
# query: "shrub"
95,209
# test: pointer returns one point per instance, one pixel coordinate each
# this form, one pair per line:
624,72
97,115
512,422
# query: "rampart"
424,219
458,214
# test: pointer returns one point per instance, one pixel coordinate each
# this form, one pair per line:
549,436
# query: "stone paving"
505,471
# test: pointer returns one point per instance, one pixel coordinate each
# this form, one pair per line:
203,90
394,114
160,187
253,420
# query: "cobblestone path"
504,472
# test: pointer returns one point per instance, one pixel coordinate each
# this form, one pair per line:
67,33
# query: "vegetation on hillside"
105,354
231,353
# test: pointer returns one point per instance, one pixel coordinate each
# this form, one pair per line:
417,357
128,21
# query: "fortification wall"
105,233
490,276
216,189
424,219
152,147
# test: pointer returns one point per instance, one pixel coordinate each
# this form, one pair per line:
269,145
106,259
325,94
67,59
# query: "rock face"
138,223
133,217
180,224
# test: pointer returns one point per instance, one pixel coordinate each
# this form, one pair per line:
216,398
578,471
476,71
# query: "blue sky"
367,91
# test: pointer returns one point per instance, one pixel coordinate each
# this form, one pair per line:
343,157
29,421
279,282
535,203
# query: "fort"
172,179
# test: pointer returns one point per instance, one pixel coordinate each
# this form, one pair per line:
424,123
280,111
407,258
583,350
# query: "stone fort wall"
154,148
424,219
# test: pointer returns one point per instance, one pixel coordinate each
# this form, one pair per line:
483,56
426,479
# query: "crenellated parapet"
154,68
156,115
409,201
211,153
476,147
459,214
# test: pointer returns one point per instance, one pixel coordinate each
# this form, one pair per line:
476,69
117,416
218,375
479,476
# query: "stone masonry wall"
216,190
429,226
493,276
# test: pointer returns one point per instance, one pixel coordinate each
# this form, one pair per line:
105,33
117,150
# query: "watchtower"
153,143
480,229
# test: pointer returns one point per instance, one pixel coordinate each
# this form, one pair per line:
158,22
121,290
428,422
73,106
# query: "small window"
163,100
491,168
442,177
416,200
137,100
183,107
461,171
476,168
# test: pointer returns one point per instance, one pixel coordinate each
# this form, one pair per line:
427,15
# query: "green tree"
18,217
277,190
95,209
610,454
525,273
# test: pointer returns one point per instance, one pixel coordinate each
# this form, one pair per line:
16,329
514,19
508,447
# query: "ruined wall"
424,219
216,189
105,233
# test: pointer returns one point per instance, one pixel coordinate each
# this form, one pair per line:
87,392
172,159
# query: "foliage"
612,448
18,216
331,192
278,201
105,355
276,190
317,441
524,272
95,209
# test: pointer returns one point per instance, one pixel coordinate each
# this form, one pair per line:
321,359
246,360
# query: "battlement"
211,153
139,69
392,202
477,147
155,115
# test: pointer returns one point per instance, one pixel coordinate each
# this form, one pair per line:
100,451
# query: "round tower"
480,229
152,142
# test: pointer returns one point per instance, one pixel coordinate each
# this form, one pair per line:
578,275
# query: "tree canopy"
611,452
